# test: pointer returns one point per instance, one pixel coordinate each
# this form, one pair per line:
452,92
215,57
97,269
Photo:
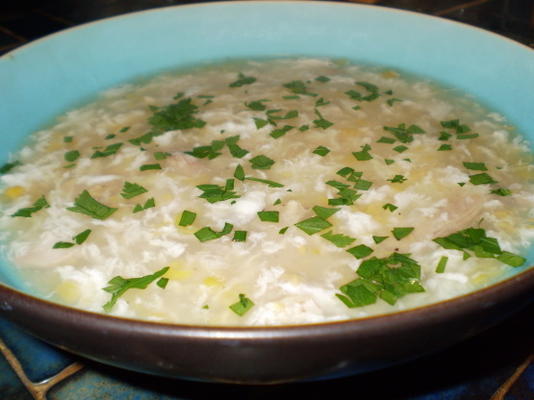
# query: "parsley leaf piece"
86,204
38,205
276,133
455,125
187,218
397,179
385,139
400,149
283,230
444,136
313,225
401,233
240,236
440,268
210,151
261,162
63,245
481,179
289,115
392,101
445,147
237,151
242,306
82,236
321,151
265,181
257,105
215,193
322,79
145,138
161,155
324,212
108,151
502,192
176,116
357,294
68,139
260,123
71,155
321,122
379,239
119,285
130,190
389,207
511,259
304,128
360,251
321,102
150,203
269,216
162,282
206,233
388,161
298,87
239,173
467,136
242,80
476,166
363,155
362,184
339,240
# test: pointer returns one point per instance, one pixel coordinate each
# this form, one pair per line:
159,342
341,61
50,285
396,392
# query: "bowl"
49,76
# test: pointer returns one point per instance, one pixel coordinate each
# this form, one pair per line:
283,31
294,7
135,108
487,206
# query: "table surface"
497,364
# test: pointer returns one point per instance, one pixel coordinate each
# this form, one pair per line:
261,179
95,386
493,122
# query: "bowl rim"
448,308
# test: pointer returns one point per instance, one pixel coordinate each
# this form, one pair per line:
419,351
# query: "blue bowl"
41,80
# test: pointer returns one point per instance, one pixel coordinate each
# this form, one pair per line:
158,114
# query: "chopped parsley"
389,207
283,230
404,133
239,173
476,166
119,285
261,162
71,155
338,239
388,278
148,167
242,305
440,268
265,181
187,218
130,190
481,179
298,87
38,205
269,216
150,203
360,251
379,239
313,225
400,149
242,80
320,122
324,212
86,204
502,192
401,233
215,193
392,101
175,116
321,151
108,151
455,125
322,79
474,241
161,155
260,123
206,233
397,179
78,239
445,147
257,105
240,236
279,132
321,102
68,139
210,151
386,139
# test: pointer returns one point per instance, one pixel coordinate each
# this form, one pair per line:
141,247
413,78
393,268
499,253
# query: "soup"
268,193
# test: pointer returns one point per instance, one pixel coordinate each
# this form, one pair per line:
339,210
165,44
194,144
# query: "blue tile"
10,385
39,360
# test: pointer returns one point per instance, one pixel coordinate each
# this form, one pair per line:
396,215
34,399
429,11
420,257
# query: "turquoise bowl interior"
45,78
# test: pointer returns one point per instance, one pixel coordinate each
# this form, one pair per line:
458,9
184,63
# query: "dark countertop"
497,364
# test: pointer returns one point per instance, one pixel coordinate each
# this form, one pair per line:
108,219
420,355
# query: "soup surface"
268,192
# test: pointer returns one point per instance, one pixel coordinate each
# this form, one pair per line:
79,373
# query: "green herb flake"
390,207
385,139
313,225
148,167
119,285
283,230
320,122
205,234
445,147
176,116
321,102
257,105
63,245
110,136
150,203
360,251
187,218
400,149
304,128
68,139
86,204
260,123
261,162
397,179
130,190
440,268
467,136
242,306
321,151
72,155
269,216
298,87
279,132
215,193
242,80
362,184
476,166
401,233
502,192
82,236
108,151
124,129
240,236
392,101
162,282
379,239
444,136
339,240
239,173
388,161
481,179
161,155
265,181
363,155
324,212
322,79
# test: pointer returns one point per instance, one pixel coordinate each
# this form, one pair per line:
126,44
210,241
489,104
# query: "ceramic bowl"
45,78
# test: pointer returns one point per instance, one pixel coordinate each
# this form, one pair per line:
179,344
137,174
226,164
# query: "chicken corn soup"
268,192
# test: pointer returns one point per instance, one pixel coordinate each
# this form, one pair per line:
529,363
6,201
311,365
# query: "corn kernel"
14,191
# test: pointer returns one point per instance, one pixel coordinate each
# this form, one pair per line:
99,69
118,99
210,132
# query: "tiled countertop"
496,365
